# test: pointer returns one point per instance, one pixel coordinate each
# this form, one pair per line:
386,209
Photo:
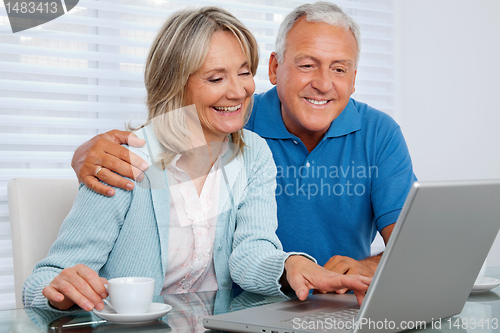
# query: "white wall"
448,89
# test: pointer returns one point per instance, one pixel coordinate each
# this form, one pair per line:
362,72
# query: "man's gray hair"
320,11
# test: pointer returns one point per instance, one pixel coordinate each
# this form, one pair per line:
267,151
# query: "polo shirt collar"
269,122
347,122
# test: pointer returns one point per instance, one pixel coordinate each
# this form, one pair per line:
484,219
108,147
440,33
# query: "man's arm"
366,267
102,158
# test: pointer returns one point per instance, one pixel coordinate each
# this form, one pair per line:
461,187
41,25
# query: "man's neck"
311,141
309,138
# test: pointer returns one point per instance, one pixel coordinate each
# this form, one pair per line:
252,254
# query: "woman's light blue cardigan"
127,234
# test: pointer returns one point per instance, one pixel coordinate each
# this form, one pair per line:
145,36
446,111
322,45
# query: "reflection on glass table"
481,313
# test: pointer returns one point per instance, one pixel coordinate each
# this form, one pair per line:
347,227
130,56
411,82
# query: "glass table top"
481,313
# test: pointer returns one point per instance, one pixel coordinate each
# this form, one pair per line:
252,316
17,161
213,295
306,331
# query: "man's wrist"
373,261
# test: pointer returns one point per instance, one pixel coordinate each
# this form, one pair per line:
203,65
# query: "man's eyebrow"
316,60
345,62
301,57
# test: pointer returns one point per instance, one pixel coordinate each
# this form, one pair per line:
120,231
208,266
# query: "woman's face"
222,88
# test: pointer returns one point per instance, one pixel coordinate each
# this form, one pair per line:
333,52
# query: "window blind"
82,74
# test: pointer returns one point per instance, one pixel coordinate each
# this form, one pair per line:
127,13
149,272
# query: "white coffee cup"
480,276
131,295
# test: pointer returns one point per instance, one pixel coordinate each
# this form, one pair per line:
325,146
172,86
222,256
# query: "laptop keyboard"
339,315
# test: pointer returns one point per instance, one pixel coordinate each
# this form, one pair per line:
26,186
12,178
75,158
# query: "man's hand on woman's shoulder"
102,158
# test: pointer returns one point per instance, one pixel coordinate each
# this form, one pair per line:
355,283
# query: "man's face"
316,78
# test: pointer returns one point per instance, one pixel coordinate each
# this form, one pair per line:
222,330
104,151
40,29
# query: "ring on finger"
99,168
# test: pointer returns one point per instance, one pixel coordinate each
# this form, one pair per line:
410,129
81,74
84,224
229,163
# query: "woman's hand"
77,285
302,274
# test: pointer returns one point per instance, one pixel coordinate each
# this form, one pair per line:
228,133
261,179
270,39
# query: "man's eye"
340,70
306,66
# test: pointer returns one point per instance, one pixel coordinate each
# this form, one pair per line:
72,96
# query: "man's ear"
354,81
273,68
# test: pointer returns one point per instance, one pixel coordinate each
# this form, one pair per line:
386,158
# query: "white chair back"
37,207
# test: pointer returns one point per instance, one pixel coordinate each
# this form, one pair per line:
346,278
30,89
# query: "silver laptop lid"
435,252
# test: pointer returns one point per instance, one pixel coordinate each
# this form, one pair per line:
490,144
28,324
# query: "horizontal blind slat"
59,122
71,106
8,174
49,87
14,139
34,157
18,49
93,73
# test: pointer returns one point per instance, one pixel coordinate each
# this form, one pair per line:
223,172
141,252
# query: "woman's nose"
236,89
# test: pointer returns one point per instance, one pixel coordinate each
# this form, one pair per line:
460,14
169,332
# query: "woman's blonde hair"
178,51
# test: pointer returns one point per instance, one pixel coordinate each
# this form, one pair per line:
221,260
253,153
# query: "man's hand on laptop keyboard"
349,266
303,275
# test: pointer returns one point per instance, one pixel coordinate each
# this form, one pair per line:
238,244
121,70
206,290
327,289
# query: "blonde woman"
207,216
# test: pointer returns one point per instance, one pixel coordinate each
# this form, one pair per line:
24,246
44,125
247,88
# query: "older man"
343,167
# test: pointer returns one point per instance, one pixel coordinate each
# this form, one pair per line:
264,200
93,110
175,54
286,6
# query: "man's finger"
339,268
120,137
122,154
92,183
134,141
339,264
109,177
116,166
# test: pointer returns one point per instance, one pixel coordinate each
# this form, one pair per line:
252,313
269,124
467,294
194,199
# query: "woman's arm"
86,237
258,262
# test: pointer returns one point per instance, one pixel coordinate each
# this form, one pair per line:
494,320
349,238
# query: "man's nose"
322,80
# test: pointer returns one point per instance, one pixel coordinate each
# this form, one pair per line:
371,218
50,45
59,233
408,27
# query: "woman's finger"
71,294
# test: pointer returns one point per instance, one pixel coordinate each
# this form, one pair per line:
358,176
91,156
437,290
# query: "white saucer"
486,284
155,312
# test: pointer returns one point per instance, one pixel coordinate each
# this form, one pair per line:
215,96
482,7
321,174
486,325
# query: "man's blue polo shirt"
333,200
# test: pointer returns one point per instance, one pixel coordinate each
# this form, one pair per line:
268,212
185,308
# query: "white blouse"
193,221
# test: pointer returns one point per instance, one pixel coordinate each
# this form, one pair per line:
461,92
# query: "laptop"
441,239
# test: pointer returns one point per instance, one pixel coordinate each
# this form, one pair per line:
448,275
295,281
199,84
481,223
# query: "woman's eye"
215,80
245,74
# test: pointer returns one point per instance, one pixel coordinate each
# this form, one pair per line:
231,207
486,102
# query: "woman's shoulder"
143,151
253,138
256,148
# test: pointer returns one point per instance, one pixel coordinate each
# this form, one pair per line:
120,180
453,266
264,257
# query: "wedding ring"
98,170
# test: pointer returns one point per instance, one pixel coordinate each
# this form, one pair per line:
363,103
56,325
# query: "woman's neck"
199,163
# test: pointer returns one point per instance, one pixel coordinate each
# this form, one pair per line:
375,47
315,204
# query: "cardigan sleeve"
257,261
86,236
